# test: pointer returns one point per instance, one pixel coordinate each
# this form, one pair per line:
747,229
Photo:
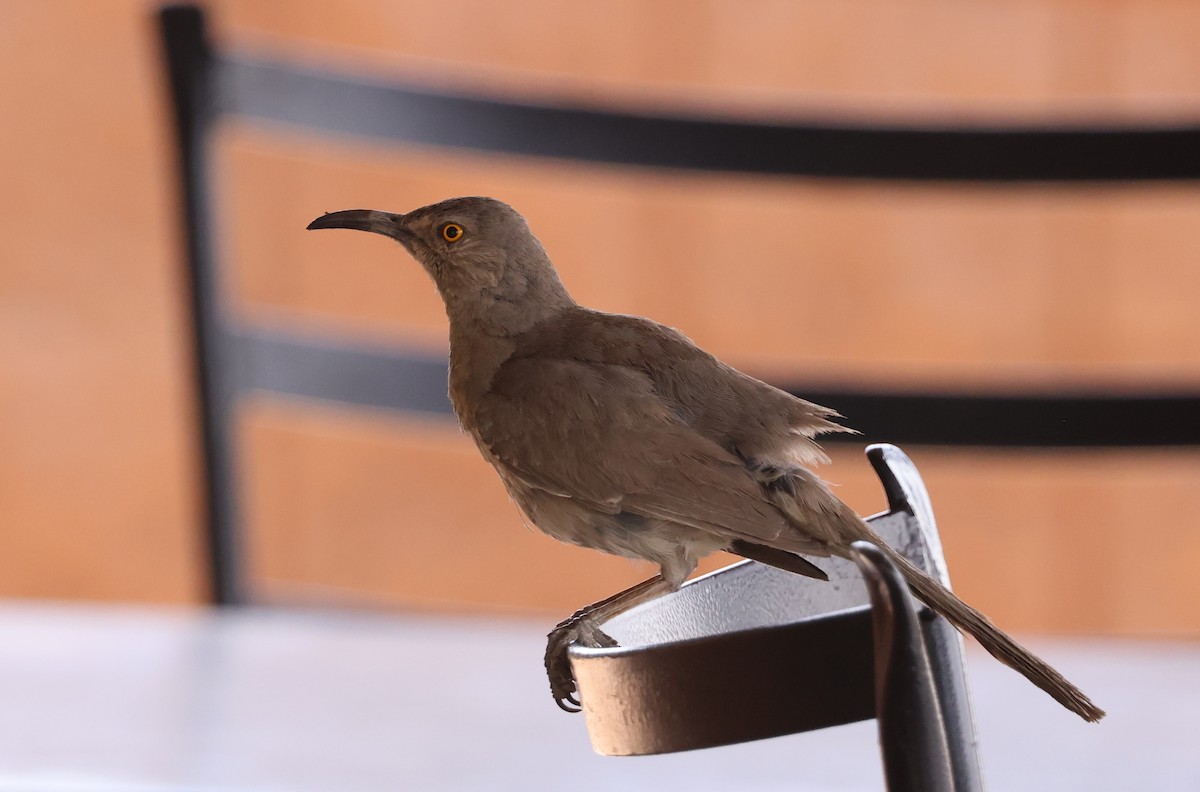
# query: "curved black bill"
377,222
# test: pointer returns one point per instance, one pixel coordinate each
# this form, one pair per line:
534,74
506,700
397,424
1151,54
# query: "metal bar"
340,371
912,729
1061,419
189,63
906,493
347,105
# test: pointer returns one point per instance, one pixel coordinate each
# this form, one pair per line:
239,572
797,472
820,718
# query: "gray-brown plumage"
617,433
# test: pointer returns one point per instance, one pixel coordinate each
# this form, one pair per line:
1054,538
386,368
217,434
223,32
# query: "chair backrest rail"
342,369
341,104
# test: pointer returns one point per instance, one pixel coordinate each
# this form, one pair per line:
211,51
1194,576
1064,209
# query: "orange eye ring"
452,232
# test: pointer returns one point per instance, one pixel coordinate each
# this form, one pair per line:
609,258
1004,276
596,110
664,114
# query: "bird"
617,433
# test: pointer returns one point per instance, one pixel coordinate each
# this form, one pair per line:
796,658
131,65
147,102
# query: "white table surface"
141,699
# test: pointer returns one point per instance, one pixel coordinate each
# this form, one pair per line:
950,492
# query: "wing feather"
745,416
601,434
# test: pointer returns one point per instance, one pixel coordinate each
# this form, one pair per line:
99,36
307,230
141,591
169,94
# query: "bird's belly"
670,545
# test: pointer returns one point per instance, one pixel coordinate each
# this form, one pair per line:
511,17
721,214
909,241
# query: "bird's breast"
474,361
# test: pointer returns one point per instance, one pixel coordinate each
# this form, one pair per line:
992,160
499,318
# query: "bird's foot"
578,629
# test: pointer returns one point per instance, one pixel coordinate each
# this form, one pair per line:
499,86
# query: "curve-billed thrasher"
617,433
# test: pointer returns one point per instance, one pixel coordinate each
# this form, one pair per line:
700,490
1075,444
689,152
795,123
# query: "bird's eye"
452,232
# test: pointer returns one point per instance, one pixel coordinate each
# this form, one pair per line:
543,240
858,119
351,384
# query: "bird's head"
488,266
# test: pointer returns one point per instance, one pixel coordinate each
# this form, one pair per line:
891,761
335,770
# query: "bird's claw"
583,631
573,706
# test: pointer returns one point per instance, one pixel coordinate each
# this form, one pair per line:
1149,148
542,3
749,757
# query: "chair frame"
207,85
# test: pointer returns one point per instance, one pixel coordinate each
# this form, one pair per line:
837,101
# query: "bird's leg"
583,627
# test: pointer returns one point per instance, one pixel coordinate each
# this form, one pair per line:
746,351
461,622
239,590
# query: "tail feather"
996,641
780,559
825,520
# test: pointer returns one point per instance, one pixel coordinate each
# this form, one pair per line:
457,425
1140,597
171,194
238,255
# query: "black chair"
207,85
232,359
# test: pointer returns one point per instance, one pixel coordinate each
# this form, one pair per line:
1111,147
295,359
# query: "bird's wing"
601,434
755,421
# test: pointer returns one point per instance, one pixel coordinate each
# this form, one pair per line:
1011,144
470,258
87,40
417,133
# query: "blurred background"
877,286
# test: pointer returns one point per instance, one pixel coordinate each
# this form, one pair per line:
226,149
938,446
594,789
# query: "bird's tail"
995,640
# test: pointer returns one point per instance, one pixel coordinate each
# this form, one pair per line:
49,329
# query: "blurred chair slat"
346,105
345,371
